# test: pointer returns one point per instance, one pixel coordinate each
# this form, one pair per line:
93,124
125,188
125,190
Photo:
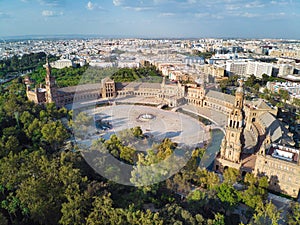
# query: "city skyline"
153,18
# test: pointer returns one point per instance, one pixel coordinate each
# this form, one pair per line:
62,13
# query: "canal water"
212,150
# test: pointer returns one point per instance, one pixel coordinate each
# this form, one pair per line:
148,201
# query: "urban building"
259,68
236,67
282,165
62,63
285,69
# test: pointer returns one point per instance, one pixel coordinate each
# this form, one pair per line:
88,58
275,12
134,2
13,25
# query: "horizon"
99,36
181,19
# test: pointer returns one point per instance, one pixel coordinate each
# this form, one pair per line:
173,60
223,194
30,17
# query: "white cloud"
232,7
218,17
279,2
159,1
166,14
249,15
117,2
201,15
138,9
255,4
52,2
4,15
50,13
277,15
90,6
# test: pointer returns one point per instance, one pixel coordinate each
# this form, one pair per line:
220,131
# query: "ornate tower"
231,147
265,145
50,84
202,93
108,88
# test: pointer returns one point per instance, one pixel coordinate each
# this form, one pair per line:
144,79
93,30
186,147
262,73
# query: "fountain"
146,117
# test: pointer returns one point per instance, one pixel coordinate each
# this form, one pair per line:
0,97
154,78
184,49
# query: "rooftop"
284,153
137,85
81,88
221,96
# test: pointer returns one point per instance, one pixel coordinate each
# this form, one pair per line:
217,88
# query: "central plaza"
180,128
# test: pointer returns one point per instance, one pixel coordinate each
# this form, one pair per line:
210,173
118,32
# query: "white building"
236,67
128,64
101,64
193,60
62,63
259,68
285,69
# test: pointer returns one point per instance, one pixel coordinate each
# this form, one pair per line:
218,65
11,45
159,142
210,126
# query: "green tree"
266,214
231,176
104,213
219,219
256,192
296,101
137,131
12,144
256,87
42,185
284,94
34,131
294,215
208,180
26,119
265,78
54,133
228,195
128,154
73,211
251,81
82,124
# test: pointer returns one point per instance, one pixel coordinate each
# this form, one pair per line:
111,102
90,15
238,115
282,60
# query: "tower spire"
231,148
50,84
48,67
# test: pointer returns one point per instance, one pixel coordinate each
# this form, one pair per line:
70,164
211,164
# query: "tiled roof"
221,96
81,88
272,125
135,85
261,104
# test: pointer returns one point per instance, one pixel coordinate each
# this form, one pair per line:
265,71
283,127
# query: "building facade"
250,134
282,165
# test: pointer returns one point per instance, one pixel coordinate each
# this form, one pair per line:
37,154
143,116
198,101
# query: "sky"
152,18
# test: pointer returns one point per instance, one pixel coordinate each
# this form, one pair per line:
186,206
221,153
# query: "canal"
212,150
213,147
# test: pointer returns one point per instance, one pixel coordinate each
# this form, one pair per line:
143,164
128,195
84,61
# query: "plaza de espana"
255,140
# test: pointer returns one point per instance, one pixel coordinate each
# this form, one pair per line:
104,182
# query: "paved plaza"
180,128
220,119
